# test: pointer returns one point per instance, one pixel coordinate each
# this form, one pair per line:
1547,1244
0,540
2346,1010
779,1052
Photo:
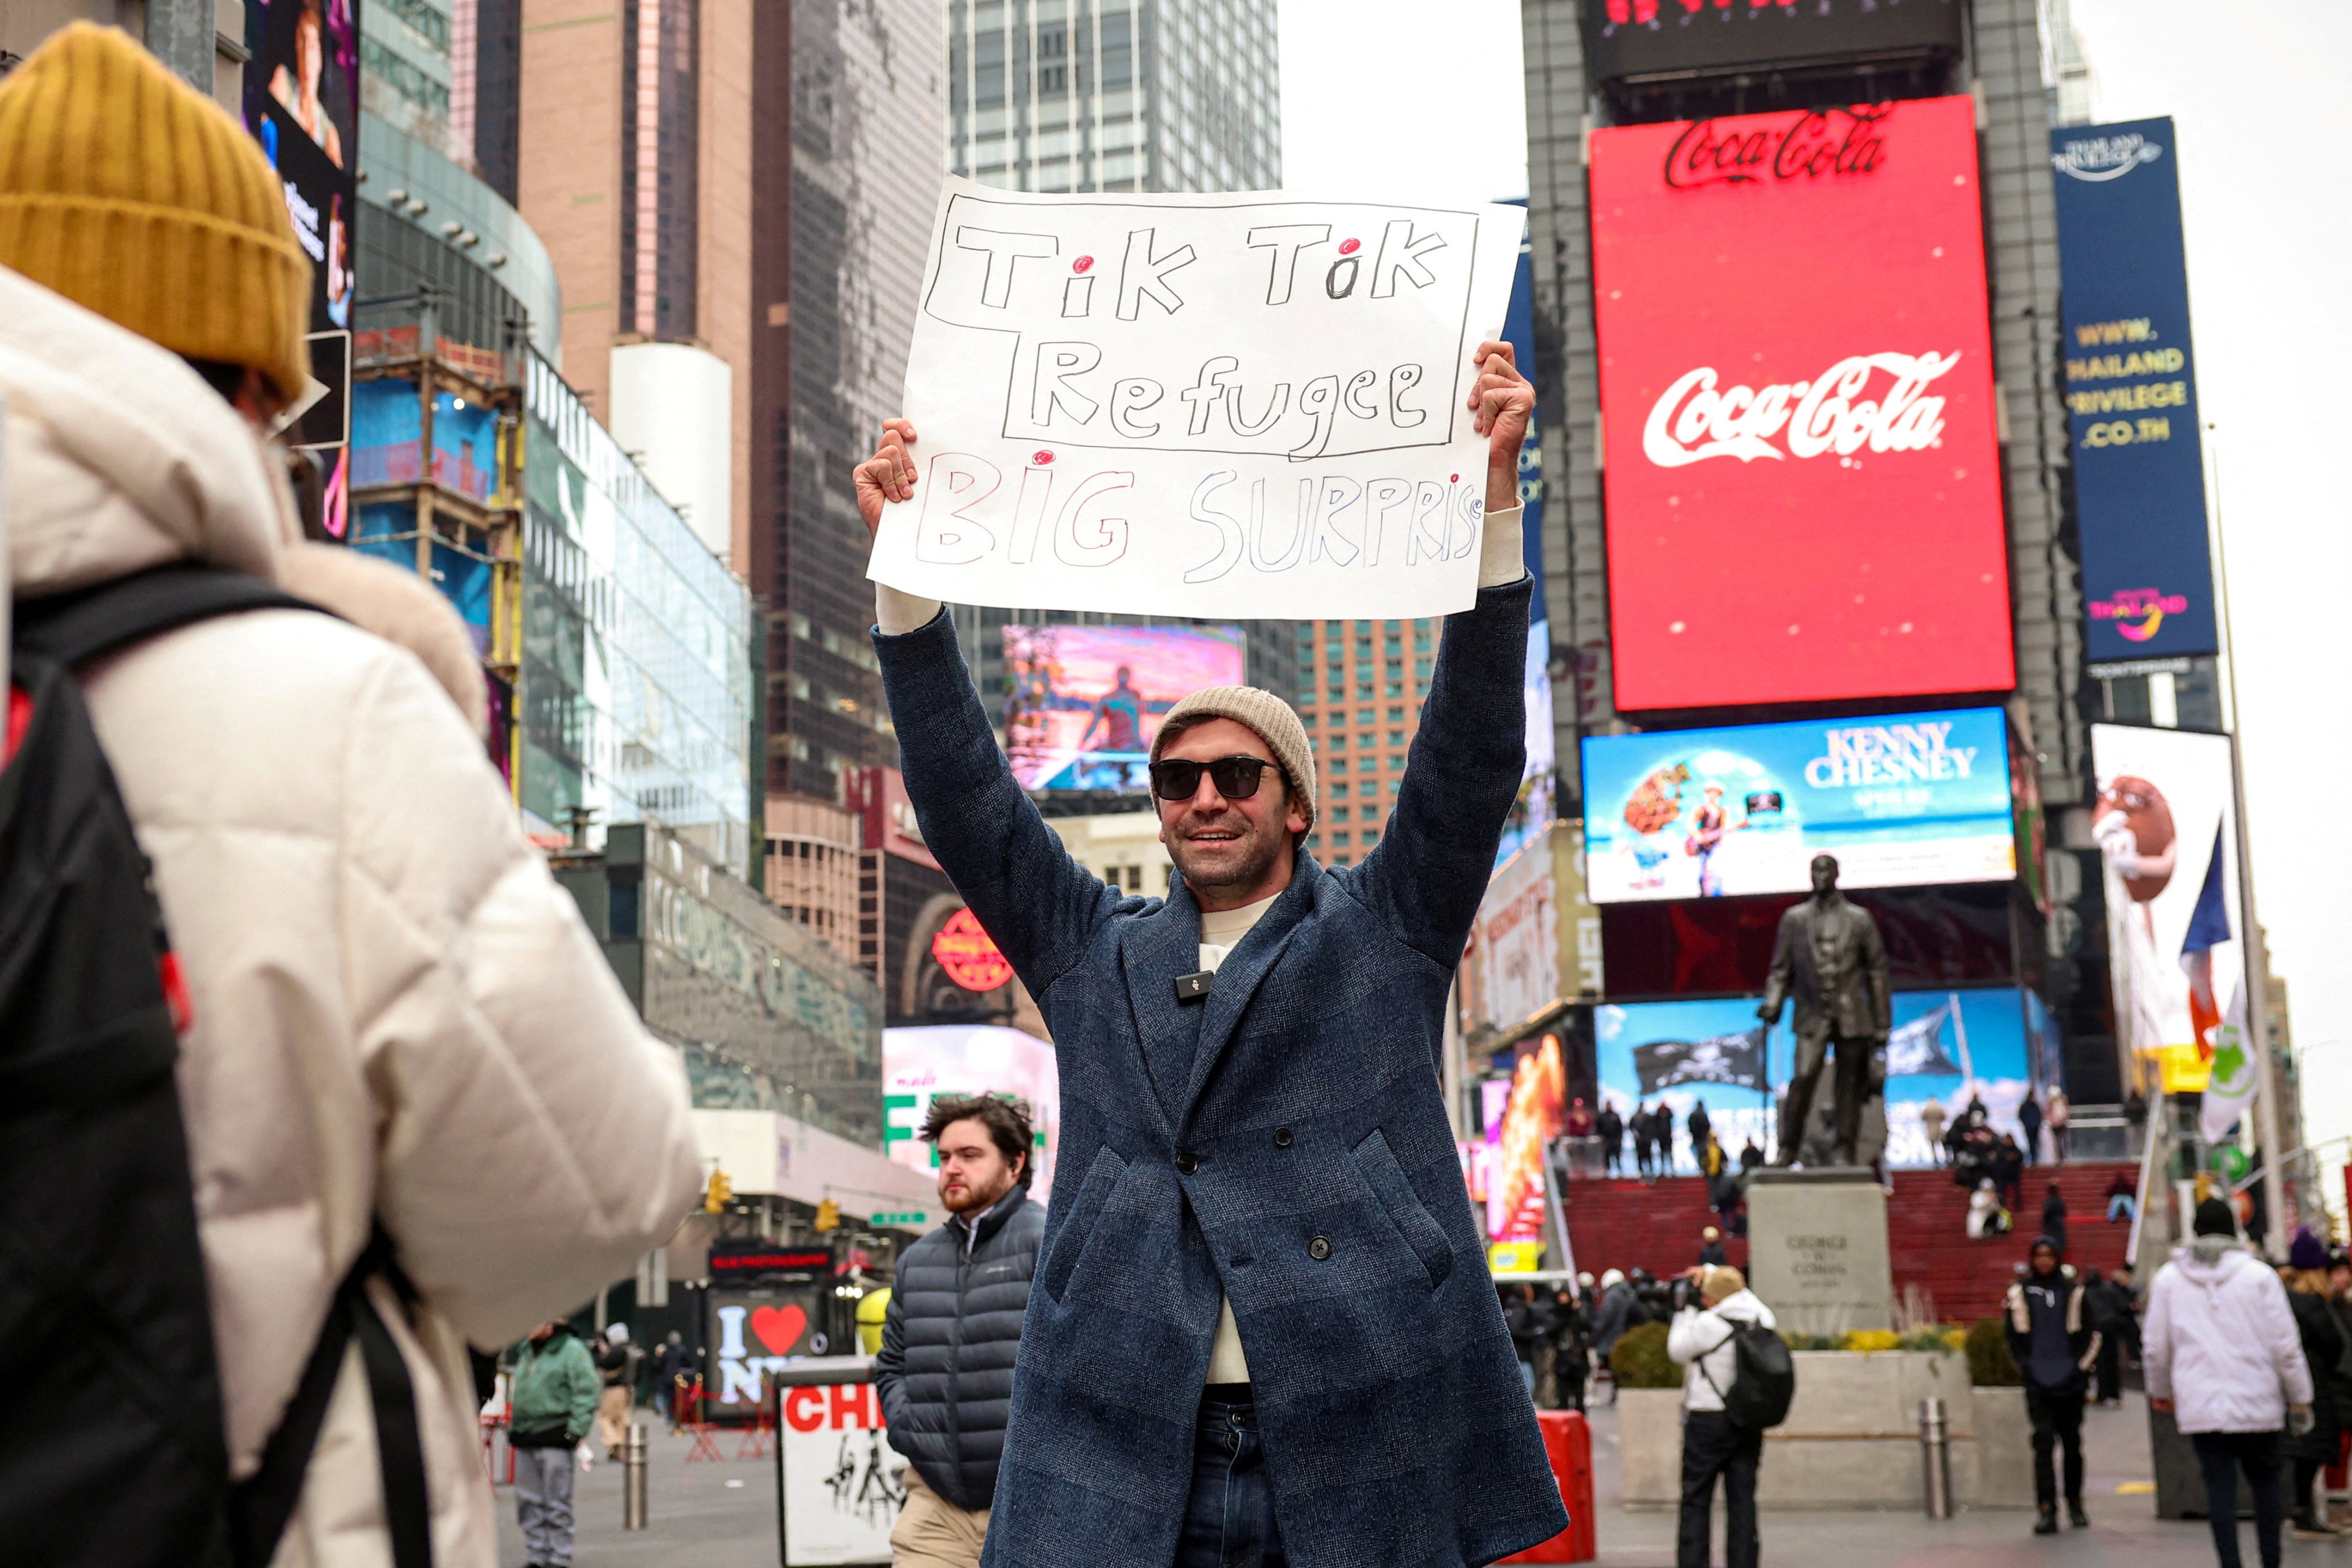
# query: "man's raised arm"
1039,905
1464,772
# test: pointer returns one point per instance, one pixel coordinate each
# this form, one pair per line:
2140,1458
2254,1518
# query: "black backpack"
1763,1377
112,1441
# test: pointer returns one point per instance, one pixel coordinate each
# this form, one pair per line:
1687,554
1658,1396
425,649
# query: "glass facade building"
636,680
1115,95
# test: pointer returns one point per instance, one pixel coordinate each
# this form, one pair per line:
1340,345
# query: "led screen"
1906,800
1082,703
1669,37
1949,1046
1801,467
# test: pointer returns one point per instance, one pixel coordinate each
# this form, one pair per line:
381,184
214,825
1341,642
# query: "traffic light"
720,1192
828,1215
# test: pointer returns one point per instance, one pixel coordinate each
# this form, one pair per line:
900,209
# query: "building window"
988,73
1054,60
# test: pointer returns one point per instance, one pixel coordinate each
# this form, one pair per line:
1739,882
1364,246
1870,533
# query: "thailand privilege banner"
2131,391
1903,800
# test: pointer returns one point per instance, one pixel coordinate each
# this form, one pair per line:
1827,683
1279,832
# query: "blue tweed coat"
1285,1142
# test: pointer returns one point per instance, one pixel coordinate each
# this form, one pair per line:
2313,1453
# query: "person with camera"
1705,1340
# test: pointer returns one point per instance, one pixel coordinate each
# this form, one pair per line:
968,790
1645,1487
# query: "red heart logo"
1041,457
1349,247
1082,263
779,1328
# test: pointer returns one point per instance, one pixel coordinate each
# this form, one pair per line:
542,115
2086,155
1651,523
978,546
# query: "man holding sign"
1262,1330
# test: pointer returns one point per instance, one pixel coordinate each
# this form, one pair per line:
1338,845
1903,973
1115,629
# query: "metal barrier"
1935,1458
632,1478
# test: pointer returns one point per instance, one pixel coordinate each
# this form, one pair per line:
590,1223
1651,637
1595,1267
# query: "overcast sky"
1374,96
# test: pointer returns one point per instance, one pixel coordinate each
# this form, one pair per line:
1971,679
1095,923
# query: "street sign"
904,1217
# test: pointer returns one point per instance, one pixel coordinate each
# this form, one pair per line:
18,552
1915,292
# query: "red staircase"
1627,1225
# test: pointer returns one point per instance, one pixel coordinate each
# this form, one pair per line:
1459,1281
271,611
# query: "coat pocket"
1074,1233
1379,1168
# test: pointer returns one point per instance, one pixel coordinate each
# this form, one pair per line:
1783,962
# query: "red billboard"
1800,460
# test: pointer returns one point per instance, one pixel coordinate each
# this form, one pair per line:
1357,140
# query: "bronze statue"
1830,958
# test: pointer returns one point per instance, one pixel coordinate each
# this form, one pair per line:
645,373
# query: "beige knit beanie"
1276,723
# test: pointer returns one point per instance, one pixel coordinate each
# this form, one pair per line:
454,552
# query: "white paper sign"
843,1483
1239,404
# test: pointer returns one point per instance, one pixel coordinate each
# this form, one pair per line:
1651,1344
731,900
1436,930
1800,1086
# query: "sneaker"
2076,1517
2048,1523
2308,1528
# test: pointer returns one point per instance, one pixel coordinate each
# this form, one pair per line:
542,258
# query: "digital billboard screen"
1634,38
1083,703
1906,800
2131,392
2167,830
1801,468
1948,1046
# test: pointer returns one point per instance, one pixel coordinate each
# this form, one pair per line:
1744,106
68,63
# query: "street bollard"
632,1478
1935,1458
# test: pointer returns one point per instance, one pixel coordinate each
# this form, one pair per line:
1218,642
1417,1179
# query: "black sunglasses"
1236,778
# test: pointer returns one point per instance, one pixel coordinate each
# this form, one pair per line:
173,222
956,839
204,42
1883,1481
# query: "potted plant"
1649,1418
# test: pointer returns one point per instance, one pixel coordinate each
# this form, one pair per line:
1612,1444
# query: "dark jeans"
2111,1367
1229,1519
2057,1419
1712,1446
2222,1455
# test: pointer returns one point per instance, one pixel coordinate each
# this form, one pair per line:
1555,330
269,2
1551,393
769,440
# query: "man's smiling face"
1231,846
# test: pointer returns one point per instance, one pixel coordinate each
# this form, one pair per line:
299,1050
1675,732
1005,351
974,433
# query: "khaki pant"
932,1532
612,1419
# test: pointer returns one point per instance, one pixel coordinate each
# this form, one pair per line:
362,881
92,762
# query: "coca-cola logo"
1813,144
1694,420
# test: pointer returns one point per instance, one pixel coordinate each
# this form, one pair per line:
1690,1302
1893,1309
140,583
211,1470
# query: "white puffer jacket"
396,1012
2219,1341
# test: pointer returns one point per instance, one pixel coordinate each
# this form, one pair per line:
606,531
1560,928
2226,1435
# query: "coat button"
1281,1137
1318,1249
1187,1161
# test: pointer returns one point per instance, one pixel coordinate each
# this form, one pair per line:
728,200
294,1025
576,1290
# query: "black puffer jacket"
945,1373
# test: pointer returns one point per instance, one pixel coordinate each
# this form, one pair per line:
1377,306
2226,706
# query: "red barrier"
1567,1443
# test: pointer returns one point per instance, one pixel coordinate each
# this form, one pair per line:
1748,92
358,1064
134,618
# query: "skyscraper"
1114,95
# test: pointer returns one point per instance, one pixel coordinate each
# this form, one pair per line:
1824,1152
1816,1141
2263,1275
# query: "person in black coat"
1700,1125
1645,1140
2319,1319
2055,1344
945,1371
2029,1117
1612,1128
1572,1359
2053,1216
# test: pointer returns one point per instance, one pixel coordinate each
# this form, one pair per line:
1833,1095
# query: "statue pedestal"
1817,1249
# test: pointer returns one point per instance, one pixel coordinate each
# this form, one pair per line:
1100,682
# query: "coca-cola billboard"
1800,462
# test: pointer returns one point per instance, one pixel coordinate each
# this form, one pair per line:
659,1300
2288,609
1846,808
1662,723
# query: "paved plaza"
723,1515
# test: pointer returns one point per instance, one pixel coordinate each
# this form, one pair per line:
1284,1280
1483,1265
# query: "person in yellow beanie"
127,191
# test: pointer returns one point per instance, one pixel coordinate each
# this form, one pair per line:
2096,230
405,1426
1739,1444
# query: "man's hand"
888,476
1502,402
2163,1405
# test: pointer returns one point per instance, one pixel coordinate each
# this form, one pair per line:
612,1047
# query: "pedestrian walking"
1703,1338
2029,1121
2060,1116
1572,1332
396,1052
2108,1307
2225,1360
952,1331
1645,1140
1610,1319
1932,1121
2054,1338
1612,1129
1192,1258
2320,1324
1701,1128
551,1407
2054,1215
1527,1327
616,1369
673,1372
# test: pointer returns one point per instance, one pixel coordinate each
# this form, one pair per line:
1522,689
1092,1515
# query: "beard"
1244,863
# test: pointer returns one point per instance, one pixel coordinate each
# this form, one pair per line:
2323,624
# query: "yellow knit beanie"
128,192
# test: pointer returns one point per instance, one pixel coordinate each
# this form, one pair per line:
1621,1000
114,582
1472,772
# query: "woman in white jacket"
2223,1356
397,1017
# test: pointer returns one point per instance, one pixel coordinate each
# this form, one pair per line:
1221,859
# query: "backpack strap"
261,1505
1731,1333
75,628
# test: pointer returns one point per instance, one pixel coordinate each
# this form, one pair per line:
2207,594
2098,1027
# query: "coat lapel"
1154,951
1239,976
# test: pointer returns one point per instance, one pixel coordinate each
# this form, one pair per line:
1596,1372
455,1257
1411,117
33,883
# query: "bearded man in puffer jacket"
398,1018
